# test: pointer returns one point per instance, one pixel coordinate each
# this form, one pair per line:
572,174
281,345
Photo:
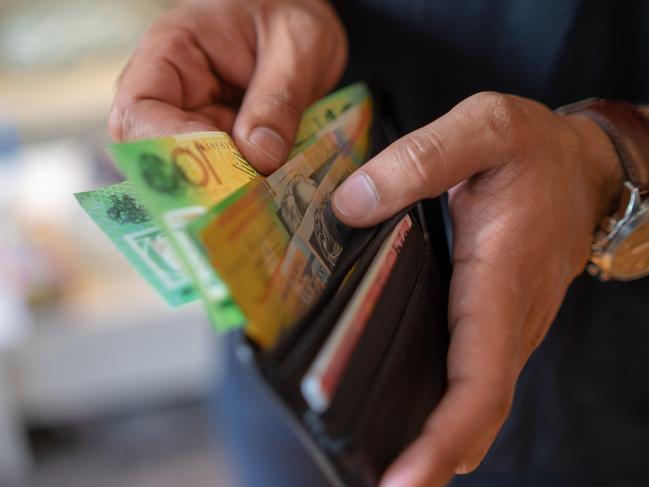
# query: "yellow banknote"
246,236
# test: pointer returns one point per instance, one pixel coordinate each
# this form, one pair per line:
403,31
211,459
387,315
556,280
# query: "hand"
527,190
246,67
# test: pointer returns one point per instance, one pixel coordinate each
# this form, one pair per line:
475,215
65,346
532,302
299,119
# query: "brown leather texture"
628,129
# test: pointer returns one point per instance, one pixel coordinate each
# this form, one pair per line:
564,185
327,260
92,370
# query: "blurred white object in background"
37,35
84,336
50,172
37,221
14,315
59,61
16,318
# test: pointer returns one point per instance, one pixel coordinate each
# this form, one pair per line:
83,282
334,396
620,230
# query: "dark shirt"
581,411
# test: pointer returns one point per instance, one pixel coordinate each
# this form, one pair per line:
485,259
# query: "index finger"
167,87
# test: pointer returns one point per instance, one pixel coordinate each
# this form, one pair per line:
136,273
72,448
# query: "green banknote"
117,211
248,231
323,112
178,179
162,168
246,236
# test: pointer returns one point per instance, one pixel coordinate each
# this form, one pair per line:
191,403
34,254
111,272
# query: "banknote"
315,244
120,215
314,247
177,179
162,269
164,258
246,236
244,216
323,112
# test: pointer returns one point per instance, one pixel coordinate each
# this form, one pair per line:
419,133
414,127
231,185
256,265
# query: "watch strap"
628,129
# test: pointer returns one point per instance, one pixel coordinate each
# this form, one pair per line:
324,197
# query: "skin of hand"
247,67
527,190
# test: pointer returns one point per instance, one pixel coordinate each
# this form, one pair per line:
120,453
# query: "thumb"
473,137
266,125
287,78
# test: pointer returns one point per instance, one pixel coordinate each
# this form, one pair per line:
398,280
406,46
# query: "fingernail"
269,142
357,197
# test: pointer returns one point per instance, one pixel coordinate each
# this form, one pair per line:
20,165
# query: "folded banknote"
271,242
117,210
177,180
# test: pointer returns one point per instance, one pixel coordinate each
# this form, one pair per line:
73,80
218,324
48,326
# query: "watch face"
631,256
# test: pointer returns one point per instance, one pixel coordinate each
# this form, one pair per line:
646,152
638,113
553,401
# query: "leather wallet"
395,375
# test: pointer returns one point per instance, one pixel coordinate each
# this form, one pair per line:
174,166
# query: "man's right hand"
246,67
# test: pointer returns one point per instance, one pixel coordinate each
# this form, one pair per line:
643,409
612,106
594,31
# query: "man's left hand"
527,190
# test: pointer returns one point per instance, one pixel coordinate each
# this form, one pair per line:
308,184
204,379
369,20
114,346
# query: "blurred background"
100,383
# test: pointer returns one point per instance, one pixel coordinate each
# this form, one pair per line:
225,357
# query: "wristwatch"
620,249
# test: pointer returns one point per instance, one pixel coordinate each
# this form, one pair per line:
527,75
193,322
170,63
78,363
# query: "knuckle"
301,20
280,102
177,42
123,121
501,111
309,28
115,122
419,153
306,15
298,21
504,116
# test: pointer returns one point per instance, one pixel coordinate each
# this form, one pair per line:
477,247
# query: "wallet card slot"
367,434
375,341
296,348
412,378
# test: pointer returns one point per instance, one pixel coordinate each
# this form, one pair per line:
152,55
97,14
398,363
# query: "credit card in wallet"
321,380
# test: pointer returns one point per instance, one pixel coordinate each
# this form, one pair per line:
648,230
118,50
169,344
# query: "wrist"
601,167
